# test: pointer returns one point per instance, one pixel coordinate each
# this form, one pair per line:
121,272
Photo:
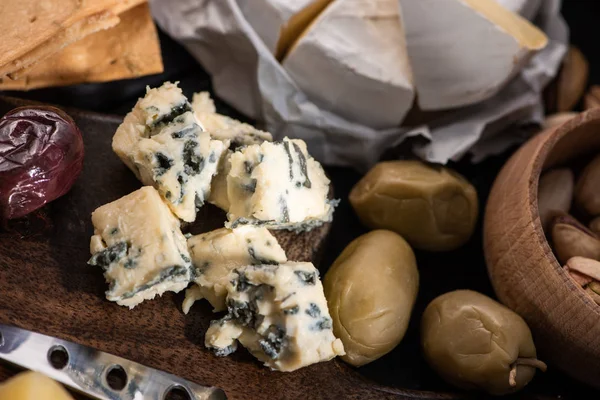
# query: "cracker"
68,36
75,32
130,49
26,24
125,5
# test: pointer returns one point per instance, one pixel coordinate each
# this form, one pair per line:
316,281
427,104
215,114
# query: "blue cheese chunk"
160,106
279,313
216,254
277,185
218,189
180,162
222,336
229,130
156,110
138,243
222,127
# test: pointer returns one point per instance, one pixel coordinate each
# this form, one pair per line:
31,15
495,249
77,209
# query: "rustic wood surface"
526,276
46,286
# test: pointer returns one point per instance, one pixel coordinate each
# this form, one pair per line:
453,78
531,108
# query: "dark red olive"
41,156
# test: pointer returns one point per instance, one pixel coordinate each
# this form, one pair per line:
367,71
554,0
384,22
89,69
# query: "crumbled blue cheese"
157,109
218,189
180,161
229,130
277,185
216,254
222,336
222,127
279,313
160,106
138,243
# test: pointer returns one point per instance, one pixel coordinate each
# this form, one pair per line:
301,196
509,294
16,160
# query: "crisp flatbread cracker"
25,24
130,49
93,16
87,26
125,5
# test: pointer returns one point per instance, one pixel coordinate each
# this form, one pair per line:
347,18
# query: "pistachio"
579,278
572,80
555,120
595,286
572,239
595,225
585,266
593,294
592,98
555,192
587,195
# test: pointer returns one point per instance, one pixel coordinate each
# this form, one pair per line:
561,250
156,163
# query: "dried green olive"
371,289
474,342
433,208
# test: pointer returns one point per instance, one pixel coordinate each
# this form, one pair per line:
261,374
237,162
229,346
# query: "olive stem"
530,362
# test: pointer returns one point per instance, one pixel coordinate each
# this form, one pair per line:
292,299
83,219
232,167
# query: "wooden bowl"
525,274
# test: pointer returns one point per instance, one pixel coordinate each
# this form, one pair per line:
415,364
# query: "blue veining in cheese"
163,143
180,161
225,128
138,243
216,254
157,109
279,313
277,185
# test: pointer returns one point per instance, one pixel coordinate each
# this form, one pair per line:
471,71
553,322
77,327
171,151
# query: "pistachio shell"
572,239
555,120
592,98
555,192
585,266
595,225
587,194
593,294
595,286
579,278
572,79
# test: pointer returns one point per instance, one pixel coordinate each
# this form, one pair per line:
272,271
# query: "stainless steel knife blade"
91,372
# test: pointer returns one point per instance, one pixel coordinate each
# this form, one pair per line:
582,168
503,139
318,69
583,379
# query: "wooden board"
46,286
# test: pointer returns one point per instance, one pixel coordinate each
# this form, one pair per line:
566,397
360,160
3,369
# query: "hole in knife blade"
58,357
116,378
177,392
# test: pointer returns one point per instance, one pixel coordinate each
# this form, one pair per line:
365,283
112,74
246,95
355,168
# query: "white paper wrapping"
246,75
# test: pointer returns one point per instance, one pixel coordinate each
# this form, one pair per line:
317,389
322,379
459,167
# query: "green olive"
474,342
371,289
433,208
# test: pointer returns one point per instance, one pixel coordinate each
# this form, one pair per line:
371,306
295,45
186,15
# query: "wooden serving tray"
46,286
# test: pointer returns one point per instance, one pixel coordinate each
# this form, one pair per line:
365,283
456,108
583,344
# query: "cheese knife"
94,373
